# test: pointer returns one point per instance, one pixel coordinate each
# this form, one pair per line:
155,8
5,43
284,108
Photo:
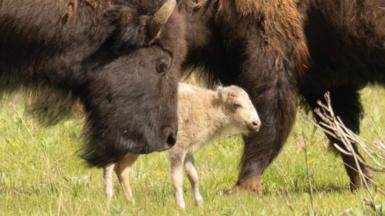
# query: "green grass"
41,173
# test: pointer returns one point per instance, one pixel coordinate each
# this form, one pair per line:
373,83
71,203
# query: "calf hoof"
181,205
199,202
132,201
251,184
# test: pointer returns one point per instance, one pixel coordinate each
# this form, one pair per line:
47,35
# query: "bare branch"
334,127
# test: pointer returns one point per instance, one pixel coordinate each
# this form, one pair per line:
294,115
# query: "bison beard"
119,58
280,51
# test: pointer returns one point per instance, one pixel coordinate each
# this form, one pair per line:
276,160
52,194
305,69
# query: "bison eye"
236,106
162,65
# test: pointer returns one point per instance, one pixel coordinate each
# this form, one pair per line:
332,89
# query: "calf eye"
162,65
109,98
236,106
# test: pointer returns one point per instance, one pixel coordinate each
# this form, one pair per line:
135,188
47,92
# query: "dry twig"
333,126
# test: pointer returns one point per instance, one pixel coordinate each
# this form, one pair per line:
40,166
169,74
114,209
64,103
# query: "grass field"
41,173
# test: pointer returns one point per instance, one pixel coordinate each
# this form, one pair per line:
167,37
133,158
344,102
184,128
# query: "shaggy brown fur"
280,49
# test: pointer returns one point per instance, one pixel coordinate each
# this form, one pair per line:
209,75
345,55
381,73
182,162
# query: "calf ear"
220,93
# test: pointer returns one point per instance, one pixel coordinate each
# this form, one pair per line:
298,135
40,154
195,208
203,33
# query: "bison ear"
134,29
125,28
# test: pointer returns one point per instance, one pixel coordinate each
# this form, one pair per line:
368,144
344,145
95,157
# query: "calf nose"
255,125
170,135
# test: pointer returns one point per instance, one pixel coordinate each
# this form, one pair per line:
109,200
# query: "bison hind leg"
347,106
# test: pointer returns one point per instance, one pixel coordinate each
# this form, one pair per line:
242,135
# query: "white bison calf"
204,116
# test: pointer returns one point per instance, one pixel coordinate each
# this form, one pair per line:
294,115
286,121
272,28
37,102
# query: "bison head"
131,97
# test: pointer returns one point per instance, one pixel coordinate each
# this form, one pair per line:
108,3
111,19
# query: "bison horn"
160,18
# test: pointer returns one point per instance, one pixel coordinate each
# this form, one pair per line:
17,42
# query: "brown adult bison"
120,58
283,50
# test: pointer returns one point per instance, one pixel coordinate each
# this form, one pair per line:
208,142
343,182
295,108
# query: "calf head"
131,100
239,109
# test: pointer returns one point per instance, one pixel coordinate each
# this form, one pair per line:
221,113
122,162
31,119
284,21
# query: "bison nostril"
170,135
171,140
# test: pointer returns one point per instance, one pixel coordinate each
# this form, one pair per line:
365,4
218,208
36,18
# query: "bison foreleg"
277,106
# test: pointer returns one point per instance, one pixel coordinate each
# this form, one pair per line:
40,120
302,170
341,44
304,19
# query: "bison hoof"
251,184
356,181
232,190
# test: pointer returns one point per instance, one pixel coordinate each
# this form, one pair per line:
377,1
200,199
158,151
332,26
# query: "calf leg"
346,105
122,170
192,174
108,183
177,161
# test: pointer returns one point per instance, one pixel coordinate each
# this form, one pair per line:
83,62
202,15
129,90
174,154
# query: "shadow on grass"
29,191
331,188
325,188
